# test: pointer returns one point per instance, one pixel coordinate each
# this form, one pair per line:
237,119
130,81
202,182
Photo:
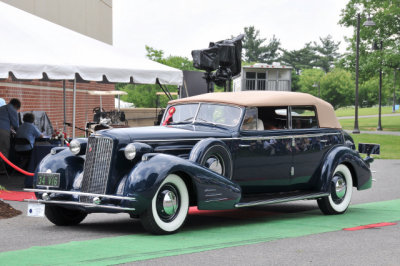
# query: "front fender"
362,178
63,162
213,191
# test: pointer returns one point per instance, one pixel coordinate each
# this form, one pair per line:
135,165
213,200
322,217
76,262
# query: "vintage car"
215,151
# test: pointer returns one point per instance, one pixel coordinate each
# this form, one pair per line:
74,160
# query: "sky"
177,27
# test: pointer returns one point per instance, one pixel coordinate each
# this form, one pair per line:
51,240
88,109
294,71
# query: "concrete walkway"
366,116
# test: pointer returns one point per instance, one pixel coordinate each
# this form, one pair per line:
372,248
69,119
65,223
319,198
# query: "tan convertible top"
325,111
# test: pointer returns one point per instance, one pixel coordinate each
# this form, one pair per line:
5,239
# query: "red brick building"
47,96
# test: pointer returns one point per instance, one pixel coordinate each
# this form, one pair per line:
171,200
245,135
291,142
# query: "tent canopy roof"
34,48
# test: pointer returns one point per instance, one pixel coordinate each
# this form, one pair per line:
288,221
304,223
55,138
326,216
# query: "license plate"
48,179
35,210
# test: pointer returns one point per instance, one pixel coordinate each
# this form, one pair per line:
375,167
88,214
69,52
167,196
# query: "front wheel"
341,191
169,207
63,216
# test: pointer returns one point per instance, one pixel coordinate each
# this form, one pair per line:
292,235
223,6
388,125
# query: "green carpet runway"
122,249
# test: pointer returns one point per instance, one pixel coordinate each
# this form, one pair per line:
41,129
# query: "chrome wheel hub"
214,164
167,203
170,204
339,188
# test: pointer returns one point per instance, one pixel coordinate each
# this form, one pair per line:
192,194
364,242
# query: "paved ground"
366,247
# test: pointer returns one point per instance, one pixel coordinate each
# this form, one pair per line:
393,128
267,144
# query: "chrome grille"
97,166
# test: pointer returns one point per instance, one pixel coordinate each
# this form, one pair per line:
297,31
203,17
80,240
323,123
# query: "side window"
304,117
250,119
273,118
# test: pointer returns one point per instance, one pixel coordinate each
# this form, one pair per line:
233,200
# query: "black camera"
224,56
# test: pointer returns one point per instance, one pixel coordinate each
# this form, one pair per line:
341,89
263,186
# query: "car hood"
165,133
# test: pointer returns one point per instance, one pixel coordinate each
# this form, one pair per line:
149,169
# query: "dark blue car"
215,151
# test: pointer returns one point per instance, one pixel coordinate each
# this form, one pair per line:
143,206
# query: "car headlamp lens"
75,146
130,151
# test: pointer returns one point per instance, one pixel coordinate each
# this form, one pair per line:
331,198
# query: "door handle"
244,145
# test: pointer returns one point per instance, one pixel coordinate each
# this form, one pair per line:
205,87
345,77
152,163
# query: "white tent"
31,46
34,48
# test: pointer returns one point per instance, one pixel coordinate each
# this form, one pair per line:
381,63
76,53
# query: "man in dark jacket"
8,120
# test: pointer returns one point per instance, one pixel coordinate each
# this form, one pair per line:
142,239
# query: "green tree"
337,88
327,51
310,79
144,95
386,15
153,54
256,51
303,58
369,92
179,62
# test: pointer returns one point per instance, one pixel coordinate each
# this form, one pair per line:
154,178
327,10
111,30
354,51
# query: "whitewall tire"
341,191
169,207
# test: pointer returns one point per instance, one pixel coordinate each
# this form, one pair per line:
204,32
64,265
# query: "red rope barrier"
14,166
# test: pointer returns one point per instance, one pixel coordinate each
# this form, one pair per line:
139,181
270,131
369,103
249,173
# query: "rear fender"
213,191
361,173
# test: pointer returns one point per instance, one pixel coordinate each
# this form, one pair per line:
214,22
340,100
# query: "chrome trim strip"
161,148
220,199
290,136
79,194
247,138
86,205
213,195
273,201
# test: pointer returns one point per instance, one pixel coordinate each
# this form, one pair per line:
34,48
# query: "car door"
310,143
263,157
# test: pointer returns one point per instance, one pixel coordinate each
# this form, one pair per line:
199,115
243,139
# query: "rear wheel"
169,207
63,216
341,191
217,158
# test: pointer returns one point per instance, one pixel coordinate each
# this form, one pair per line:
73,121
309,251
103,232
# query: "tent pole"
74,110
119,102
64,106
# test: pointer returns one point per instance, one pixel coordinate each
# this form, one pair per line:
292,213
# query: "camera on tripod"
223,57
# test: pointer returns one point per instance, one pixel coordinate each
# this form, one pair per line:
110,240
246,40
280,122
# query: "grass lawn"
389,123
349,111
390,145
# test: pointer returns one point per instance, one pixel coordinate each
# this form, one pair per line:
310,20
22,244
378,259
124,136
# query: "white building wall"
92,18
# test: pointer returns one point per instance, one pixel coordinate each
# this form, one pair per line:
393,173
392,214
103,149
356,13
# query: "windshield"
203,113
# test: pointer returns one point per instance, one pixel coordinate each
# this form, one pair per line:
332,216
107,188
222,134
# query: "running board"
280,200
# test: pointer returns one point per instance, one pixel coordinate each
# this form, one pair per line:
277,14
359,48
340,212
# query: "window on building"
261,81
256,80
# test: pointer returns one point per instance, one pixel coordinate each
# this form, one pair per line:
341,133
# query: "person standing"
8,120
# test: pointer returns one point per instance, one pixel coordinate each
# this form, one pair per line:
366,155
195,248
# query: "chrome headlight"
130,151
75,146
